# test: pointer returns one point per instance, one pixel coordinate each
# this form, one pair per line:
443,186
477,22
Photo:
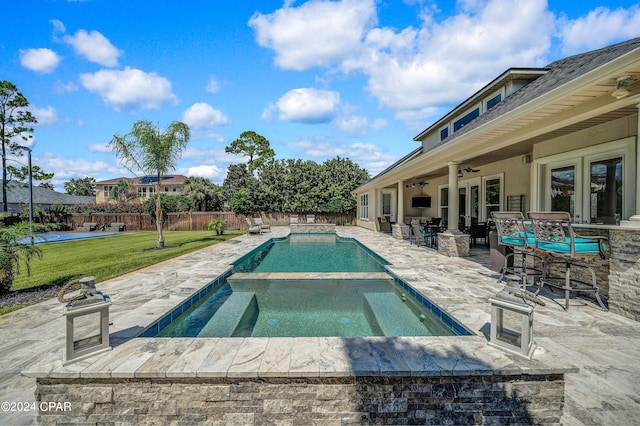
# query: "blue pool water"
242,303
54,237
311,253
299,307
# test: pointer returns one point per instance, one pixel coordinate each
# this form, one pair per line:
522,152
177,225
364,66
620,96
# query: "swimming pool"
276,291
311,253
60,237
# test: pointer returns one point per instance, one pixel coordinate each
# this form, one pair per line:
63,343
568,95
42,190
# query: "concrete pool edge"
142,359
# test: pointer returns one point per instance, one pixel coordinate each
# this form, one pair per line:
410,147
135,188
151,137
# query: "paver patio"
604,346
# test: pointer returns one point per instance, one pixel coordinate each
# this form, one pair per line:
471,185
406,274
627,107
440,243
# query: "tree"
254,146
154,153
14,123
21,175
82,186
123,192
205,193
13,252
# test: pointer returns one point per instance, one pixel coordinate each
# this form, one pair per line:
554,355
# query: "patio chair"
293,219
253,228
556,238
519,239
261,224
311,218
416,235
384,225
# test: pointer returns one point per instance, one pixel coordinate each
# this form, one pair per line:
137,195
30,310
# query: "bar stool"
554,236
513,234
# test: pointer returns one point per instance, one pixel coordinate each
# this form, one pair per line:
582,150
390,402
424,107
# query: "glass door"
468,203
562,191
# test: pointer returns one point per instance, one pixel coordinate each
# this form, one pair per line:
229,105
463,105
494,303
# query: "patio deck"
604,346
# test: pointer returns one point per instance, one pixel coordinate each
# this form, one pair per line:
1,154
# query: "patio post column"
636,217
452,219
452,242
400,215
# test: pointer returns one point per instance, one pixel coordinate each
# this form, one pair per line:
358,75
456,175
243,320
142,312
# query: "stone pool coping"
136,357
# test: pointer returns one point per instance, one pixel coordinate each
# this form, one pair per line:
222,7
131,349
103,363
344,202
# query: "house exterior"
143,187
559,138
18,196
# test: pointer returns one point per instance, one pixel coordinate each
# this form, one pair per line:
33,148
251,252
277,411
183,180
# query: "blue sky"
355,78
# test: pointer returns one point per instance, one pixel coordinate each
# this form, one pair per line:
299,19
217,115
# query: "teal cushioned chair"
512,230
556,238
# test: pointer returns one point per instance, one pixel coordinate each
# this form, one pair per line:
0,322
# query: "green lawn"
108,257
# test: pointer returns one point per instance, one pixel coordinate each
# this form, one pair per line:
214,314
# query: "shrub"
217,225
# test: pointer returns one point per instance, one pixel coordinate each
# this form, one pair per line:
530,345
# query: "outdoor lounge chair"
293,219
87,227
311,218
556,238
253,228
415,234
261,224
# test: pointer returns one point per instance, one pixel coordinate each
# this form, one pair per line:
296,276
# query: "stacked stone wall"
519,399
624,277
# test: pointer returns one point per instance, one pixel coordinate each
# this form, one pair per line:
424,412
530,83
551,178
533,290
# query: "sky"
317,78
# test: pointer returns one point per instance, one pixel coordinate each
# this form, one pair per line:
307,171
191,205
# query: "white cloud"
412,71
317,33
40,60
600,27
355,126
213,86
368,156
94,47
64,169
45,116
379,123
308,105
99,147
129,88
202,118
206,171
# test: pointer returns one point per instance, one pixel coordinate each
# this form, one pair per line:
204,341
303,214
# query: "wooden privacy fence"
198,221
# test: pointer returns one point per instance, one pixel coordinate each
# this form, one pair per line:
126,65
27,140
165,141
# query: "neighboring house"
142,187
18,196
562,137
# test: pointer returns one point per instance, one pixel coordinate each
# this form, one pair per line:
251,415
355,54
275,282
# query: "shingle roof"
17,193
560,72
168,179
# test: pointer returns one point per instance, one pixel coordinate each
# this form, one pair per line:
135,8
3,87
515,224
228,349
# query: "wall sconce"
621,87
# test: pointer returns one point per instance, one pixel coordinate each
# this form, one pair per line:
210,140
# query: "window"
364,206
593,184
605,182
457,125
108,191
444,133
493,101
492,194
444,202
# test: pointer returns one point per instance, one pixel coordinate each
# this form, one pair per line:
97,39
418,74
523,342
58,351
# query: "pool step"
308,276
230,315
393,317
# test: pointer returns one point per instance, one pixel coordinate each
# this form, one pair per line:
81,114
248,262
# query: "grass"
109,257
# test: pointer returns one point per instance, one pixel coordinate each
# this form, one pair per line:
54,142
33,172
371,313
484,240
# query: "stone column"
452,242
399,230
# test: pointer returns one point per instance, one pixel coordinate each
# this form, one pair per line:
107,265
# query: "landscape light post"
30,192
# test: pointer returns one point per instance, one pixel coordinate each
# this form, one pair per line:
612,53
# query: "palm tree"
200,189
14,250
148,150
